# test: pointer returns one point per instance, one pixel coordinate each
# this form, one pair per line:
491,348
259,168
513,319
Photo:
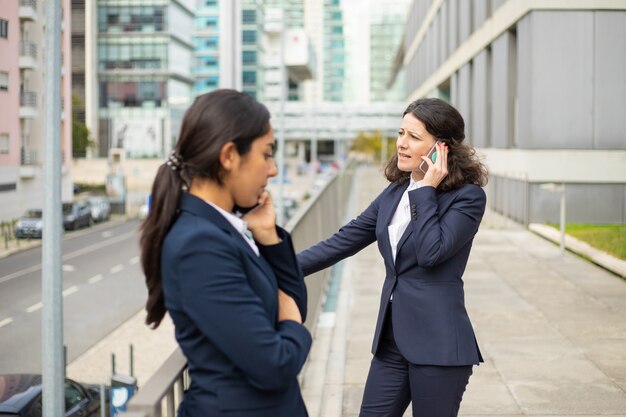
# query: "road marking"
95,279
72,255
134,260
5,322
71,290
34,307
116,269
69,268
107,234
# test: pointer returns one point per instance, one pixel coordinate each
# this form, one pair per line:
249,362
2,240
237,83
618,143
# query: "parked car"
100,208
30,225
76,214
20,395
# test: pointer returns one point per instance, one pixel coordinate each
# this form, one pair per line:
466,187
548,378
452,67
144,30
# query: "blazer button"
413,205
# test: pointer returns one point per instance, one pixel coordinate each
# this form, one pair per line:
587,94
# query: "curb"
603,259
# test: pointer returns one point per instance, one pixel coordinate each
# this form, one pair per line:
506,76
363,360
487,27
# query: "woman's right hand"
287,308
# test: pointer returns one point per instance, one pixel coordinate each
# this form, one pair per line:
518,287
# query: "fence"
317,218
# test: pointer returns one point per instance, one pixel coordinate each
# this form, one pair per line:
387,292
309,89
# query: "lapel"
388,210
200,208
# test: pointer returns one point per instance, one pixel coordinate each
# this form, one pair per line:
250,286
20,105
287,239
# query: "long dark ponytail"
213,120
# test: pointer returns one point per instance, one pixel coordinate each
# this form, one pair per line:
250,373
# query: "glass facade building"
206,44
334,51
144,70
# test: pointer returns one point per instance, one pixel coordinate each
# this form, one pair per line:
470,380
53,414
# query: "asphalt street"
102,287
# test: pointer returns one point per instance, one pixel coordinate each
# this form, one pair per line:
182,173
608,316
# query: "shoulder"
192,233
468,192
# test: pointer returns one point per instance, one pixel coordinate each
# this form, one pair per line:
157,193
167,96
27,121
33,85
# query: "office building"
145,50
542,87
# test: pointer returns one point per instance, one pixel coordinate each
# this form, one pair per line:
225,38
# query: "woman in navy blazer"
424,222
237,300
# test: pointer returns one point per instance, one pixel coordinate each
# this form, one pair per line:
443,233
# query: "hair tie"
175,161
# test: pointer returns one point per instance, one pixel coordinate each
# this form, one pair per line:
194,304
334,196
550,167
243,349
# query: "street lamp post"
51,275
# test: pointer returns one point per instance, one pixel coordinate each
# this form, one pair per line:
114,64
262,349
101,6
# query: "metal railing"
318,217
29,3
28,99
28,49
28,156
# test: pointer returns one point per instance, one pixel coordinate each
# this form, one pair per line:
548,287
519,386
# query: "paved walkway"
551,326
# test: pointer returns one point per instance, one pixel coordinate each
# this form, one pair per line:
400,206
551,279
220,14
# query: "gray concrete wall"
503,78
453,25
481,100
463,95
571,87
609,96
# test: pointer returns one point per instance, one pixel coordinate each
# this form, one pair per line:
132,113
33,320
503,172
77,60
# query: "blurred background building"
145,51
22,135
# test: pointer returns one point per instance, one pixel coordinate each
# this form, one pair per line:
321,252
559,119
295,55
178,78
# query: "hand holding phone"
432,155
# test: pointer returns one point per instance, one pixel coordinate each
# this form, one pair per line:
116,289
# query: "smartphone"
432,155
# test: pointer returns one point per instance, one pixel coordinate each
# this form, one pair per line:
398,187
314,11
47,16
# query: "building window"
4,143
249,57
249,77
249,16
4,81
4,28
249,37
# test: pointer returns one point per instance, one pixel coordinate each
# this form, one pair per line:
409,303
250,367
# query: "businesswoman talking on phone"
237,301
424,346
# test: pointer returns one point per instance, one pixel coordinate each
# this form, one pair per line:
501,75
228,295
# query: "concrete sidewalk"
551,326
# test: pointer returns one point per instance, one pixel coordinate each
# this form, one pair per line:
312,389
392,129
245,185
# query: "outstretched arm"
350,239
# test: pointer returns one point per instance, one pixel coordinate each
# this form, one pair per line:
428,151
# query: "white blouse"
240,225
401,217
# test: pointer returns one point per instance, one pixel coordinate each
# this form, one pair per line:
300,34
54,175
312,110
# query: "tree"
81,137
371,144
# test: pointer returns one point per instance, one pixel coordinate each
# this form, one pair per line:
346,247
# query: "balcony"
28,10
28,55
29,163
28,105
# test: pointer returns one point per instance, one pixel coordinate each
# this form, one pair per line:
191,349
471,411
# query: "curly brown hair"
446,124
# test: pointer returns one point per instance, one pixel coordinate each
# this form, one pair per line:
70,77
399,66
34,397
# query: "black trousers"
393,383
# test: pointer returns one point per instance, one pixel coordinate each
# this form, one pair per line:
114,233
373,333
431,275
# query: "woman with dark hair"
237,300
424,222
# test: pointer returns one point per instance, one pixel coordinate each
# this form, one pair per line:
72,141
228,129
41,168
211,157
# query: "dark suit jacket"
223,299
430,323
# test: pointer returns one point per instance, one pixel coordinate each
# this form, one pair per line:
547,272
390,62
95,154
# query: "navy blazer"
223,300
430,323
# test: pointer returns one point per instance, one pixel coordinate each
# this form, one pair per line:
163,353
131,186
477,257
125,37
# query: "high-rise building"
206,65
334,52
22,130
542,88
386,29
206,46
253,49
145,50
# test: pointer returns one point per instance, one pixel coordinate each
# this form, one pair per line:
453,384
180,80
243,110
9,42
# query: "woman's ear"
229,157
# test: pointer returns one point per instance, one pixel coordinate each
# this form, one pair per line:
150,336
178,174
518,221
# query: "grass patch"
610,238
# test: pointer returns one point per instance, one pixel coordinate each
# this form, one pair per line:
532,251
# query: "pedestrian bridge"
551,326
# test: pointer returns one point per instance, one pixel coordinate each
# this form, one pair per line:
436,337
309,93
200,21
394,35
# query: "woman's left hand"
262,221
437,170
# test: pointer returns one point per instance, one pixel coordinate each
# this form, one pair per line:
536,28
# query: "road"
102,287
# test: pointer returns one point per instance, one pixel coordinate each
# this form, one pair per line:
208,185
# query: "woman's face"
413,142
254,170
